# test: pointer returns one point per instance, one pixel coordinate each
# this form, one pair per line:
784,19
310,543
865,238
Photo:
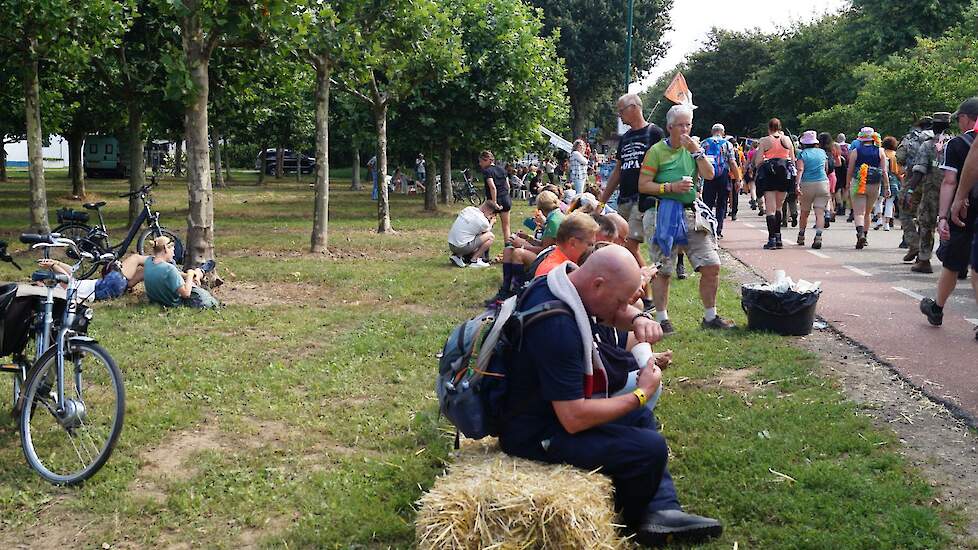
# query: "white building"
55,153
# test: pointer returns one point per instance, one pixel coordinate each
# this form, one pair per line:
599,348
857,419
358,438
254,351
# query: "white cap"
718,128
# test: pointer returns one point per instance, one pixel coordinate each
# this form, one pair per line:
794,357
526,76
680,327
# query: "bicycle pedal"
10,368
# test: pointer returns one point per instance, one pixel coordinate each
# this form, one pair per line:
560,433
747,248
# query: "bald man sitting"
554,418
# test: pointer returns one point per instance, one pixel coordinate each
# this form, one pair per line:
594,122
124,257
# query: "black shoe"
794,221
771,244
667,327
851,217
903,244
681,271
718,323
666,526
733,217
784,222
499,298
753,205
648,305
777,242
935,314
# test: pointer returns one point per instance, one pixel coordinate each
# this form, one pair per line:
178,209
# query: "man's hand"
944,229
649,379
682,186
646,330
691,145
664,359
518,241
959,211
648,273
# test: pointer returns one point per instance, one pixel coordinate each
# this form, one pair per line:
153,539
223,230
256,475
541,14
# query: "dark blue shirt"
548,367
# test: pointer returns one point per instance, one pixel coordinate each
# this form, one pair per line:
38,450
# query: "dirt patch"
53,527
734,380
932,438
168,460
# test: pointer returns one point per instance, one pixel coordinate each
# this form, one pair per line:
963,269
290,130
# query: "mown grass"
321,413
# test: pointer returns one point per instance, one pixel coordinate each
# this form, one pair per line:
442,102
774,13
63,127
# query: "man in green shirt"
668,172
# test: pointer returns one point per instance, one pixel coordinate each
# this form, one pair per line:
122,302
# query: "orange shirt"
552,260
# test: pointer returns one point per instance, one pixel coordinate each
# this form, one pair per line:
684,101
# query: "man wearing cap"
716,192
959,243
926,172
906,154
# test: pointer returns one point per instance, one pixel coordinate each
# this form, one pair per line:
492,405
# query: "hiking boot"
860,242
459,262
733,217
911,255
934,313
922,266
667,327
718,323
777,242
851,217
668,526
771,244
753,204
817,243
761,213
801,238
681,271
794,221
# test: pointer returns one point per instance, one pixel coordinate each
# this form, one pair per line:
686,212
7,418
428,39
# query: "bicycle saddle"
94,205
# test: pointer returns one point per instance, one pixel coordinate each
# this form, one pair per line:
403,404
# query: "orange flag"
678,91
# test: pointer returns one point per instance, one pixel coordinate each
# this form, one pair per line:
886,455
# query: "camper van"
104,158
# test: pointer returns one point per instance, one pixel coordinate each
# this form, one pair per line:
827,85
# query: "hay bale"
491,500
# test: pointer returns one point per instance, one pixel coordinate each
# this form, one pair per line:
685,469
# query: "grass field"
302,413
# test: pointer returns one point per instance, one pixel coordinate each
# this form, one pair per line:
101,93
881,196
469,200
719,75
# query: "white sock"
709,313
661,315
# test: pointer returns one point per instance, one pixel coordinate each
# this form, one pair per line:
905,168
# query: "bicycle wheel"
68,442
146,238
475,198
79,233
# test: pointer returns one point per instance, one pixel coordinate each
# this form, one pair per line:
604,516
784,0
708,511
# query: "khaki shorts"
702,249
814,193
629,210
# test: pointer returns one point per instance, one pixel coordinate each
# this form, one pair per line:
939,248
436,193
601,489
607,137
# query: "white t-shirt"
469,224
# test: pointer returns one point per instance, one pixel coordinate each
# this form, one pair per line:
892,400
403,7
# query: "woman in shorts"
774,153
867,175
812,186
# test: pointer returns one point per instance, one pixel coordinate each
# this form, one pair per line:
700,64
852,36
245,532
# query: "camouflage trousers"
927,213
908,213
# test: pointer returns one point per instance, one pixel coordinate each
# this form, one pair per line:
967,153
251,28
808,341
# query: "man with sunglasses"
574,237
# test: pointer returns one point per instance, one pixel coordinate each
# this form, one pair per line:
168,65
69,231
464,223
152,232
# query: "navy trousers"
630,451
716,193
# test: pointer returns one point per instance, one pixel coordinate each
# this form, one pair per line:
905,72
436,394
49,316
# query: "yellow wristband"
642,398
662,188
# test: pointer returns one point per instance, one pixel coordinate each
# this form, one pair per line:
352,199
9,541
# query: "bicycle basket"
15,319
68,215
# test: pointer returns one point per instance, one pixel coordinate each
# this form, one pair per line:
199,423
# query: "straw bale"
491,500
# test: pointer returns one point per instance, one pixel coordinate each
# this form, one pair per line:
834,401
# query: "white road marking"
908,292
750,225
858,271
762,231
817,253
972,321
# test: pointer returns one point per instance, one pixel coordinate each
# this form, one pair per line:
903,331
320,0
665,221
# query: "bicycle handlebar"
142,190
34,238
40,276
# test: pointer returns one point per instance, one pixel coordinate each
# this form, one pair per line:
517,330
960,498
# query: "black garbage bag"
788,313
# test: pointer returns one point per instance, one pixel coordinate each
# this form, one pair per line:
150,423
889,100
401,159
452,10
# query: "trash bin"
788,313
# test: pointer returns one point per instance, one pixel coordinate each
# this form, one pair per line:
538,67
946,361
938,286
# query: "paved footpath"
872,297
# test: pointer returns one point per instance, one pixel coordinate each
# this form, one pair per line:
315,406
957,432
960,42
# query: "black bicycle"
466,190
95,240
68,396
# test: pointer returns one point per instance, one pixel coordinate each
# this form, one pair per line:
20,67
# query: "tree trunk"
355,183
446,174
578,116
279,162
35,155
218,168
76,168
430,199
3,162
200,216
383,204
137,163
263,164
320,214
226,161
178,159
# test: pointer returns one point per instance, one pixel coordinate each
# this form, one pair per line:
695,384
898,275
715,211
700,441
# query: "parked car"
290,162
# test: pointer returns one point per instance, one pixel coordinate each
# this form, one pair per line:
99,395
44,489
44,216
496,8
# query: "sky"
693,19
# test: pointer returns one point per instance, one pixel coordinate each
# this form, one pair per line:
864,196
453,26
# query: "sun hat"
866,134
809,137
718,128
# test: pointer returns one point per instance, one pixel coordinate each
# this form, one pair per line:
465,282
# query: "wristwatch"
646,314
699,154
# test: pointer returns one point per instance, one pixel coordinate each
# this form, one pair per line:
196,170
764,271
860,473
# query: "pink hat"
866,134
809,137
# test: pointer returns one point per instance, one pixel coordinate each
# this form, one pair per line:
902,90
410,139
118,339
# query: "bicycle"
69,399
466,190
95,240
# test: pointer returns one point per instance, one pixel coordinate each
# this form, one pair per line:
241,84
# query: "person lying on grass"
117,277
167,286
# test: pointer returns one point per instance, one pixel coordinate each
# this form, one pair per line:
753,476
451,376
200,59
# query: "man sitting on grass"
557,421
471,234
165,285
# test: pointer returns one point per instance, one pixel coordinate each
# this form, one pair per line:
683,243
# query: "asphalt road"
872,297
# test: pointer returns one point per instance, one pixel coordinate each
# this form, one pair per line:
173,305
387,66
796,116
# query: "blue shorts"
112,285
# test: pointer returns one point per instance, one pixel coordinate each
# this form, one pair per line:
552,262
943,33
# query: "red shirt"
552,260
